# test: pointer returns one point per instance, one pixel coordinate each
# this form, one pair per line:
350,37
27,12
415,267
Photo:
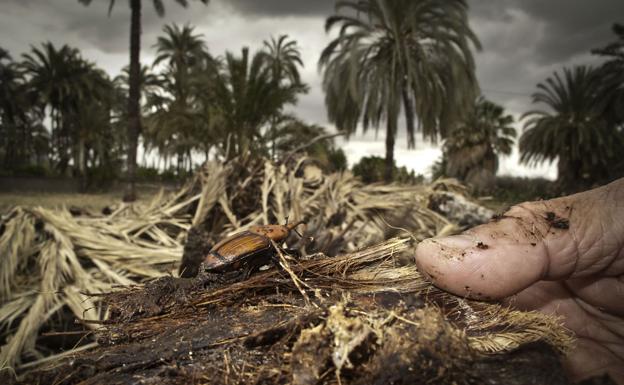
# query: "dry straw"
53,264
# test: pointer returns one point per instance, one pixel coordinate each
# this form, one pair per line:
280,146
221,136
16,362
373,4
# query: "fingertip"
466,266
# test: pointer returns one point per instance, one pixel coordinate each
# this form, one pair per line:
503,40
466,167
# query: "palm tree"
58,79
615,50
179,117
134,120
472,148
613,70
576,130
283,58
393,55
13,112
149,84
248,99
180,48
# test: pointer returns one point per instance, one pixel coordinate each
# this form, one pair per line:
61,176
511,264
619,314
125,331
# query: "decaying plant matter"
352,305
357,318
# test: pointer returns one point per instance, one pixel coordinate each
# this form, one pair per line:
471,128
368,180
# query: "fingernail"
461,241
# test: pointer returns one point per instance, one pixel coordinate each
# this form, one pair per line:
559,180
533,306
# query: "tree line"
192,105
389,59
414,58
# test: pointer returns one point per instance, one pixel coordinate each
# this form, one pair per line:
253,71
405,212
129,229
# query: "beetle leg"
249,270
294,253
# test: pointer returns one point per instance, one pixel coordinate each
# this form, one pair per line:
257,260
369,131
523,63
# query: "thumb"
567,237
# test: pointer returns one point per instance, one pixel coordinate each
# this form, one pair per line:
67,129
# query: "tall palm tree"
283,58
59,79
248,98
472,148
134,95
179,116
393,55
149,84
575,130
180,48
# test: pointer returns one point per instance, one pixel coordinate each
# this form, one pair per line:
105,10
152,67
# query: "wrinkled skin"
533,260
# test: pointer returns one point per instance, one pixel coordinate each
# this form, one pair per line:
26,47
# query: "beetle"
248,249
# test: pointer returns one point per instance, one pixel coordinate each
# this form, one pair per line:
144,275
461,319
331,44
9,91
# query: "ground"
88,201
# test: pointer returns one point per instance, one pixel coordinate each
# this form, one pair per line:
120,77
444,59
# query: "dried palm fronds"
51,263
369,321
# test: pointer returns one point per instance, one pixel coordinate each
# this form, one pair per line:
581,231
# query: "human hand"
563,256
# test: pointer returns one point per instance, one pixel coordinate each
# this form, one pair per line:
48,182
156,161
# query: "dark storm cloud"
284,7
568,28
68,21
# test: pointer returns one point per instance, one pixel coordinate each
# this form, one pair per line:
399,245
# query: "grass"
94,202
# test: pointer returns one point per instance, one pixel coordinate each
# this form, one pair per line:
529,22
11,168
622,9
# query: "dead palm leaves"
52,263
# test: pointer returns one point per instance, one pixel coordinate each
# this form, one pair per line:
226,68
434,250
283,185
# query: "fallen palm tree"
55,266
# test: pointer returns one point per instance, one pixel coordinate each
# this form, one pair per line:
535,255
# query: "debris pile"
352,305
360,319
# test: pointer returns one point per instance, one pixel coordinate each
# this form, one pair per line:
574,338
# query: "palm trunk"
390,133
273,124
134,119
409,117
82,163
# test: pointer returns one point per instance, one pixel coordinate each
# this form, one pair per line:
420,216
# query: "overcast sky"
524,41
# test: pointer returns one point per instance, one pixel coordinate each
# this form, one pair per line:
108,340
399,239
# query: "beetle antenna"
293,225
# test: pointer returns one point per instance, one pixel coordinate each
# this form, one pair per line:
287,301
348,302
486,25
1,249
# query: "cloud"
563,29
306,8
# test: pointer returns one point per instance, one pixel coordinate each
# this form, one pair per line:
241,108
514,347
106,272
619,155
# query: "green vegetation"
196,104
372,169
471,151
61,115
581,129
134,84
577,131
409,55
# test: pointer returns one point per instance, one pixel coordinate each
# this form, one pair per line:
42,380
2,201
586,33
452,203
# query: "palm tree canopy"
148,80
473,146
180,48
248,97
61,78
486,124
411,52
613,70
11,89
575,129
284,58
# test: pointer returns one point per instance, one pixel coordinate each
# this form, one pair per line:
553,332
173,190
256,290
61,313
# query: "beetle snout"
293,225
